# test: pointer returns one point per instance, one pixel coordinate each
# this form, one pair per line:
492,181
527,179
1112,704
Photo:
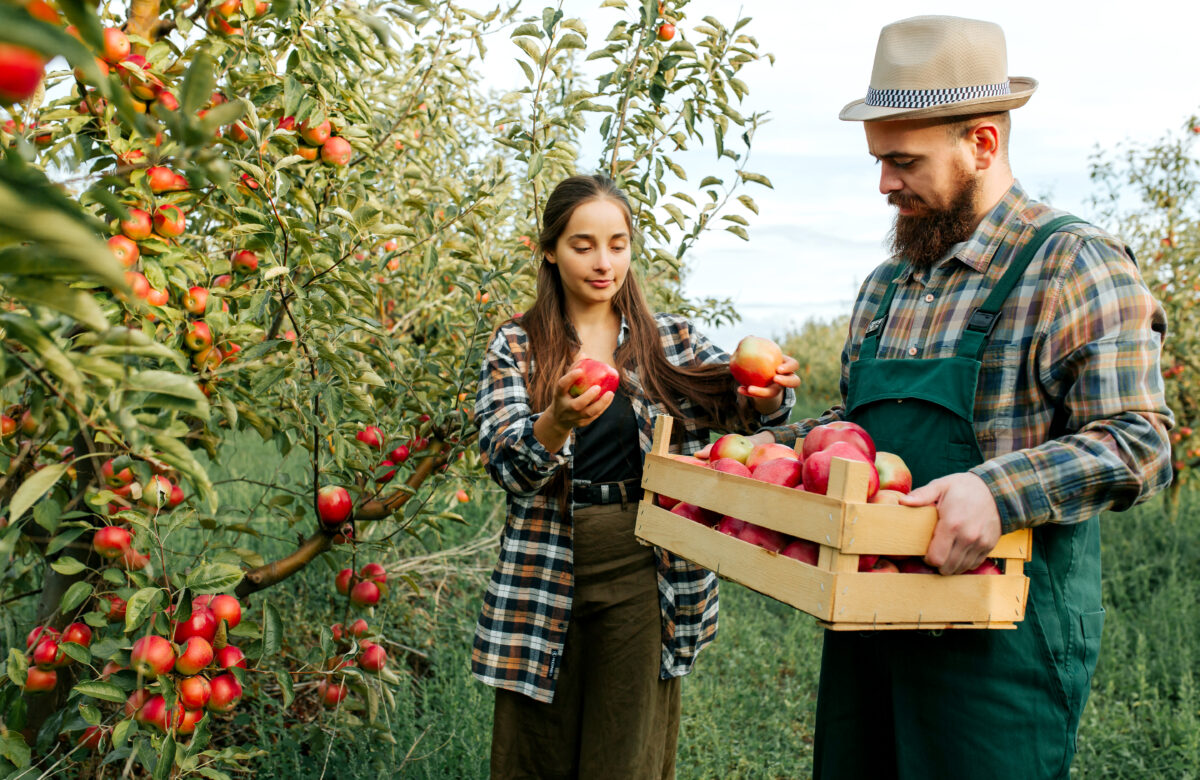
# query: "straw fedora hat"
932,66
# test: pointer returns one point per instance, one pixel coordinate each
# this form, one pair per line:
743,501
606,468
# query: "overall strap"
983,319
870,344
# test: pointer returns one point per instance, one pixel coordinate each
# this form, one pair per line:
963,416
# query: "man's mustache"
904,201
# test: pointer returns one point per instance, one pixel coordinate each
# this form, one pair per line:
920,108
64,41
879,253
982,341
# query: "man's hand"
968,525
767,399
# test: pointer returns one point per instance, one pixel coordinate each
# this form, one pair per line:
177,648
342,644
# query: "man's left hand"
968,525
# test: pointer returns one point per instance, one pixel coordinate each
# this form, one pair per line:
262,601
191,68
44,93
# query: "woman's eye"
581,249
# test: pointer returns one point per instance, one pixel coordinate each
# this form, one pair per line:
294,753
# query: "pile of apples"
889,478
365,588
179,678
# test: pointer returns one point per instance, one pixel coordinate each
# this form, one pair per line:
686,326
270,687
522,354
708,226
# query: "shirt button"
912,351
929,298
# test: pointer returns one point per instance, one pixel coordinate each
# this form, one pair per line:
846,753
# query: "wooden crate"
845,526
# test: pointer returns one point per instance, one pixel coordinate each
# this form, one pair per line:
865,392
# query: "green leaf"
175,453
98,689
29,333
166,758
139,606
121,731
18,666
67,565
14,749
77,652
285,687
170,384
214,577
748,202
757,178
739,231
32,489
75,595
77,304
272,629
198,85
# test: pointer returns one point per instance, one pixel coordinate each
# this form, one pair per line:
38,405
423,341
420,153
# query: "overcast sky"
1108,72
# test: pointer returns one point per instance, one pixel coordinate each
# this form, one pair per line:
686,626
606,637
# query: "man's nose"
889,182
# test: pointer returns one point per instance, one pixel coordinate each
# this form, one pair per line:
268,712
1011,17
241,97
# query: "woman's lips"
600,283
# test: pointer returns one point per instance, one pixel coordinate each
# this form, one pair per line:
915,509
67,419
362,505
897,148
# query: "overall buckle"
983,321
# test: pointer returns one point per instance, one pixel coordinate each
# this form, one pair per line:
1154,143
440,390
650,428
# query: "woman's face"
593,253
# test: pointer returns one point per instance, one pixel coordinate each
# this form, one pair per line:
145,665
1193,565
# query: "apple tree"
1150,194
299,222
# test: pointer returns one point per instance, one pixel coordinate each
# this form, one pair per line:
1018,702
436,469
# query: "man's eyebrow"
897,154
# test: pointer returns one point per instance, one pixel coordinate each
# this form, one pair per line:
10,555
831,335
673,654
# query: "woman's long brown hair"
553,341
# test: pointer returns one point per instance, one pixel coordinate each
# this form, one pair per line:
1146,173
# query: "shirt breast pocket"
996,394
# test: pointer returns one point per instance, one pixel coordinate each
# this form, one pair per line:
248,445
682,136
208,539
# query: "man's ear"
984,140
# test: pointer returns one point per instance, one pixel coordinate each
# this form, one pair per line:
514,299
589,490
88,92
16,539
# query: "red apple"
39,633
781,471
189,720
338,631
731,445
666,31
886,497
40,680
767,538
730,466
309,153
336,151
816,468
755,361
885,566
802,550
92,738
151,656
48,655
168,101
867,562
157,297
136,701
916,566
113,608
132,560
169,221
365,594
194,692
375,572
79,633
331,694
731,526
196,300
202,623
227,608
125,250
595,374
666,502
398,455
199,337
358,628
194,656
893,472
763,453
373,658
371,436
226,693
334,505
230,656
315,135
160,179
117,479
824,435
342,581
987,567
116,45
21,71
695,513
137,283
244,261
111,541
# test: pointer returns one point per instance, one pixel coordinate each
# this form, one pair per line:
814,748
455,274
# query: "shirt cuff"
538,457
1018,493
780,415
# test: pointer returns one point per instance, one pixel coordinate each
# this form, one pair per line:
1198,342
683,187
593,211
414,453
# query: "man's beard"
924,238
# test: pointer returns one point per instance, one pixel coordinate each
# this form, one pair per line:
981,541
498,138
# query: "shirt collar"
977,251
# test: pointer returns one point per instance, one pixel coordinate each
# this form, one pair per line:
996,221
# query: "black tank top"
608,449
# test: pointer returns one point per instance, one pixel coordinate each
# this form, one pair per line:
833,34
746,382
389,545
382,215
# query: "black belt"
607,492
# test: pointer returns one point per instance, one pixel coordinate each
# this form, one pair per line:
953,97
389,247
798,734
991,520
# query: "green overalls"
960,703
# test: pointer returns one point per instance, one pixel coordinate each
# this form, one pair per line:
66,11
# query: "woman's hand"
768,399
566,413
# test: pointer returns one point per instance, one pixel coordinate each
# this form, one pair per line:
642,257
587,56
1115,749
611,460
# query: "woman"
584,632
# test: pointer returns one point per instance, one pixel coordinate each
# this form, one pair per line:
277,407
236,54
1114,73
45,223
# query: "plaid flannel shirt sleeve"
1100,354
707,352
510,452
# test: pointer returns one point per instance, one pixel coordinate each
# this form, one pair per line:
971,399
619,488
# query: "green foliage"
817,346
374,288
1149,193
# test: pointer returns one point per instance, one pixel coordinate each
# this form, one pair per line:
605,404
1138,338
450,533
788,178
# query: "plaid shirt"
1080,336
521,629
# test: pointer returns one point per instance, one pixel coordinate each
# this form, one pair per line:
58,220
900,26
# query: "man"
1012,359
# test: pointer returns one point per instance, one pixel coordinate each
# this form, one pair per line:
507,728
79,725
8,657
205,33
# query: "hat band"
925,98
